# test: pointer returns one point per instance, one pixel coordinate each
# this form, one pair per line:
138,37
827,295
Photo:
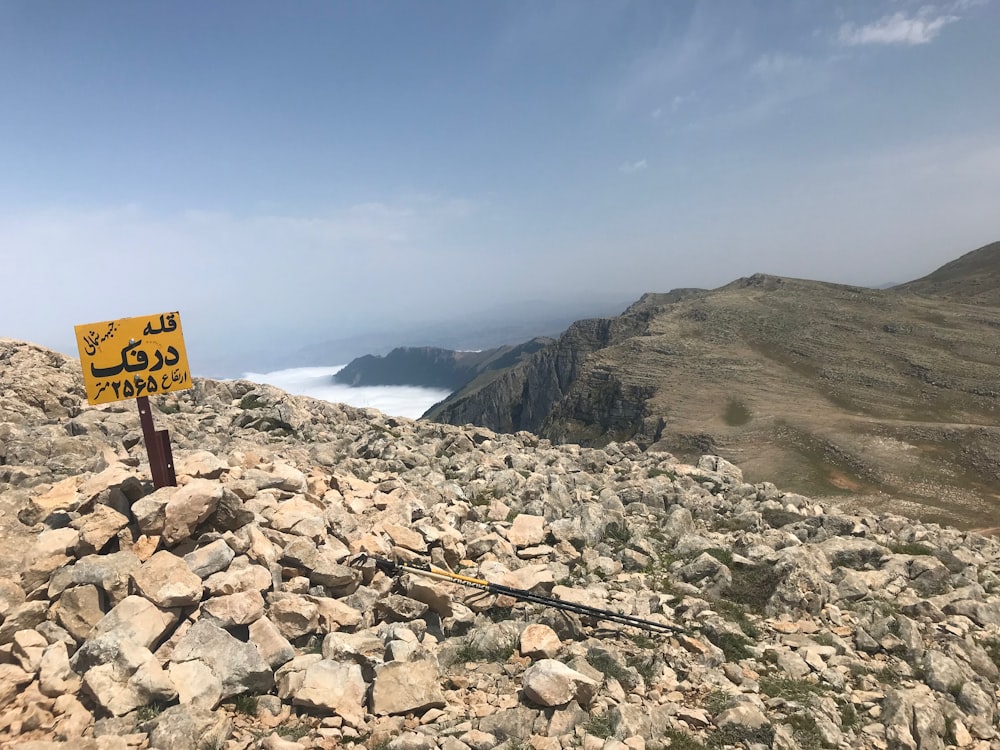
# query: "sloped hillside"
879,398
225,612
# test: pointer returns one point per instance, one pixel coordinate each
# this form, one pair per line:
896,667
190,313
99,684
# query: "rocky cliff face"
524,396
224,612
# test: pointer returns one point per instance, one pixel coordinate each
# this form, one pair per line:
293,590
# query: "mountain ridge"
799,378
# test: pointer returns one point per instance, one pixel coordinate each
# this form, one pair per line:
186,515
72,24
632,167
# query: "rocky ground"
224,613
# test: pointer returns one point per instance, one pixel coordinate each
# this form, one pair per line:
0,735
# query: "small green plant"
754,587
678,740
790,689
733,645
471,652
807,734
736,413
653,473
737,614
294,731
618,532
149,712
245,703
778,517
716,702
252,401
724,556
741,736
600,725
602,662
849,718
910,548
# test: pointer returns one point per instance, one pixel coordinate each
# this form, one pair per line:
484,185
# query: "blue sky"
294,171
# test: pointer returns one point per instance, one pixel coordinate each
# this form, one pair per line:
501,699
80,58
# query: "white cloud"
632,167
402,401
774,64
896,29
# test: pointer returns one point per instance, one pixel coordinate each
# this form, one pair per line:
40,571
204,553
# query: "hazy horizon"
286,175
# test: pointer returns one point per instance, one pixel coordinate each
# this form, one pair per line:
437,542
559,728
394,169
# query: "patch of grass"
294,731
992,648
736,413
678,740
807,734
716,702
644,641
734,646
737,614
499,614
799,691
149,712
600,725
910,548
618,532
604,663
245,703
753,587
169,408
644,665
740,736
653,473
471,652
724,556
778,517
849,718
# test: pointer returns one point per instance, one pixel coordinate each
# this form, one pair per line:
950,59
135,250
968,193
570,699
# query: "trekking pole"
394,569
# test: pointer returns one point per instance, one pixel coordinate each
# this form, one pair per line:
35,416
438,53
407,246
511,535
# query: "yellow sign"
133,357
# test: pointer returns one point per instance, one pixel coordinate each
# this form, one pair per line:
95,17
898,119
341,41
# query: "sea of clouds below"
399,401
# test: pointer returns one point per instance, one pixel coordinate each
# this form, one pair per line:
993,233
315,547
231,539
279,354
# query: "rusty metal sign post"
134,358
161,457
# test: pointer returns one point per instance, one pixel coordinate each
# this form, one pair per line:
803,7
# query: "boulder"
167,581
551,683
406,687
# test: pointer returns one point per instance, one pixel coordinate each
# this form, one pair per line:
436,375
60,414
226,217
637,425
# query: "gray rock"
549,683
238,665
942,673
211,558
167,581
271,644
79,610
188,728
112,574
332,686
406,687
136,619
235,609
